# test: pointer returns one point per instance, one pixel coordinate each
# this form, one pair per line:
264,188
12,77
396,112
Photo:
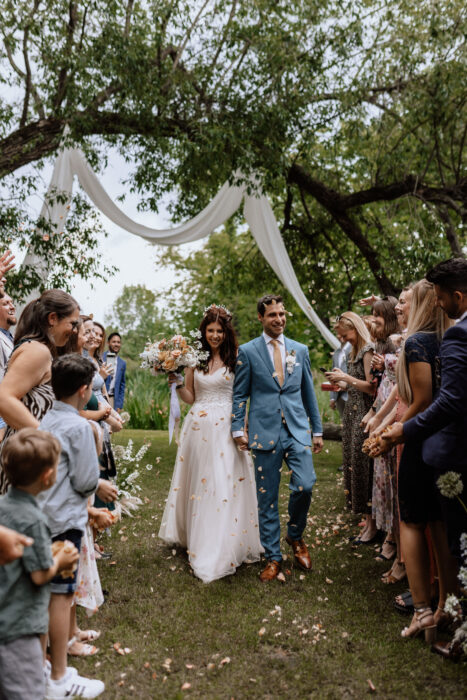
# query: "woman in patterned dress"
26,392
358,468
384,467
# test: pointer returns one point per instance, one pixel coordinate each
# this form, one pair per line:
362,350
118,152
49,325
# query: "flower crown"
216,307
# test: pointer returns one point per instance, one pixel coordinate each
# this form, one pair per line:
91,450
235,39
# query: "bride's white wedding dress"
211,508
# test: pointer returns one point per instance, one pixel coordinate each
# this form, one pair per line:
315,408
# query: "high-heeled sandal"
422,621
396,574
389,556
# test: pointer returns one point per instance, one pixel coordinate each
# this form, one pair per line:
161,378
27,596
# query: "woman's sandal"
384,557
87,635
404,603
422,621
77,648
396,574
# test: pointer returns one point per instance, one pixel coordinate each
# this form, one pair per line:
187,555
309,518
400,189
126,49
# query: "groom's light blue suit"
281,423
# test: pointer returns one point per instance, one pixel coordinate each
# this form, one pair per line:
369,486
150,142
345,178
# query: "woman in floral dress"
358,472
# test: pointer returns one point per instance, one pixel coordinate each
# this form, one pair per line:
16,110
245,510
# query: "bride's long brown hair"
229,348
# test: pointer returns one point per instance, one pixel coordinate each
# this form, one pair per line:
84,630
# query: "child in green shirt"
30,460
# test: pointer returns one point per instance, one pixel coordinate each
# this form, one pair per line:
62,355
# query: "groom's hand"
317,445
242,442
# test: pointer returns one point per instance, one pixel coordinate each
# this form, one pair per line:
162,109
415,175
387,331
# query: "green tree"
135,315
352,112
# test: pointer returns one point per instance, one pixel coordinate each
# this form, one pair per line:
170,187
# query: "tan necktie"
278,362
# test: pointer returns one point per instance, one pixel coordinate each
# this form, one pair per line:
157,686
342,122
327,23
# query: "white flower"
125,416
463,576
461,636
119,451
291,361
464,545
450,484
452,607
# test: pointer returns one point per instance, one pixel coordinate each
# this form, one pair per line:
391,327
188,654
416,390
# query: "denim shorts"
67,585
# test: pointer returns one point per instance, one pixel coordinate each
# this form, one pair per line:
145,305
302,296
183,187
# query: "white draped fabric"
257,210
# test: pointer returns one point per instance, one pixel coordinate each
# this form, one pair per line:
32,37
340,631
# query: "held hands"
242,442
175,378
377,362
337,375
106,370
318,445
12,545
104,411
391,436
106,491
102,518
66,556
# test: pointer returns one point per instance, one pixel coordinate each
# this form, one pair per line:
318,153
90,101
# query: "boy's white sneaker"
73,685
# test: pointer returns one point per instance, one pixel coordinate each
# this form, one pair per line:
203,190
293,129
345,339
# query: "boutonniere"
290,361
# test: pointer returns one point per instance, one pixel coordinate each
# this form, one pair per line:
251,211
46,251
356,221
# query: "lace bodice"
214,389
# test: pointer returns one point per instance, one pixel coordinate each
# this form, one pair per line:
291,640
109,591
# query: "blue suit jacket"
296,398
119,389
443,425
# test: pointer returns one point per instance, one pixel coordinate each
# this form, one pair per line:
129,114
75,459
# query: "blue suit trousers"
268,468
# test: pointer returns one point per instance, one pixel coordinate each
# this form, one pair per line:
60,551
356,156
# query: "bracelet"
179,386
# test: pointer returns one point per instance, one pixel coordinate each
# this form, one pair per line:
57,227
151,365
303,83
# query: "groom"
274,373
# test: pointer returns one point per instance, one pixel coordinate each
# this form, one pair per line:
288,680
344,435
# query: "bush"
147,400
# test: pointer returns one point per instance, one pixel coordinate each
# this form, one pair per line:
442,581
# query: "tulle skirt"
211,508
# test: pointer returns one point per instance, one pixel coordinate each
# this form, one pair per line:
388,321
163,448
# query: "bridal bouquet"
172,355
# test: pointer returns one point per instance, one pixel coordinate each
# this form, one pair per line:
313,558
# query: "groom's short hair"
266,301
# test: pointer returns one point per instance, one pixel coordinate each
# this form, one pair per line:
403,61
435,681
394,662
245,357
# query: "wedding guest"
25,392
442,430
115,384
338,399
30,460
89,592
112,422
212,489
384,466
358,468
7,321
65,505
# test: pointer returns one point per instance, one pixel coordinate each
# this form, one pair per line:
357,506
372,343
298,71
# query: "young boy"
65,506
30,461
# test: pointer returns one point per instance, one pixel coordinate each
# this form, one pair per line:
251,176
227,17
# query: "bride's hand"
242,442
175,378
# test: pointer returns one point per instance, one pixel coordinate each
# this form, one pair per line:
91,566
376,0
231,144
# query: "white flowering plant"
451,486
129,469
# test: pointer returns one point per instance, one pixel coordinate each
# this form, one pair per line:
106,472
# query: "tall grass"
147,400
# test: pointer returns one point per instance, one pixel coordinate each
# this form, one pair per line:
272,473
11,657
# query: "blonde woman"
358,468
418,379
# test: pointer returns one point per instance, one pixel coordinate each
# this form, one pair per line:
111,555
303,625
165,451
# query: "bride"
211,508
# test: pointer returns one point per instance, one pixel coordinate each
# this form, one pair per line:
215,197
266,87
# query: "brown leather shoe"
271,571
301,554
448,650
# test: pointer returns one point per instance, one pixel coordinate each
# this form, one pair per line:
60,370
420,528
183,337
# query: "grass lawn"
327,634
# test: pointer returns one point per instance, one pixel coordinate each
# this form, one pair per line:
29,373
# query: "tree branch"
451,234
